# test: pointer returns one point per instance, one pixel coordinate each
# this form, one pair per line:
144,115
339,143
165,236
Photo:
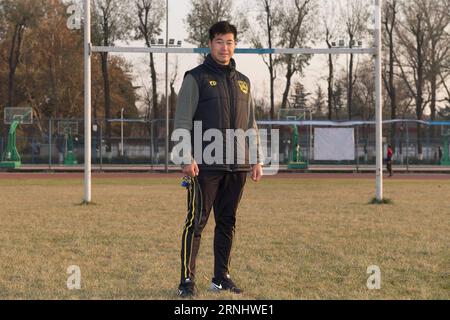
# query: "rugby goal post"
89,50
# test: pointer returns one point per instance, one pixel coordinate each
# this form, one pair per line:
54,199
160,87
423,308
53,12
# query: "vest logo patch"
243,86
213,83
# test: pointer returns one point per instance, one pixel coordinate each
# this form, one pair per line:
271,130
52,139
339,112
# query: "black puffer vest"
224,96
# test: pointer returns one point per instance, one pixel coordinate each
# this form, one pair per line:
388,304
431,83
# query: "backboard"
294,114
22,114
67,127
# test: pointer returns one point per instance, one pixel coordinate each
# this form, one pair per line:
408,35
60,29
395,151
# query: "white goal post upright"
89,49
378,101
87,102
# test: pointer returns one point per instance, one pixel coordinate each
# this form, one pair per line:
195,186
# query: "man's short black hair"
222,27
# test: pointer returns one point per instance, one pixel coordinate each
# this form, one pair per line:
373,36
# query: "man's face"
222,48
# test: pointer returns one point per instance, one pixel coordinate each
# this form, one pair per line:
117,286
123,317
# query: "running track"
140,175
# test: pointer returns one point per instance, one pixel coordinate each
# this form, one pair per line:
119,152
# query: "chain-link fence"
413,143
50,142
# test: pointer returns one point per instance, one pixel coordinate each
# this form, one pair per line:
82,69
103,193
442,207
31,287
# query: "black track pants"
221,191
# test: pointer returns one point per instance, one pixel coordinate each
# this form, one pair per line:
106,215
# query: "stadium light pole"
378,102
121,131
87,102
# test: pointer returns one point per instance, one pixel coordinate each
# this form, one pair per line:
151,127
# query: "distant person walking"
390,153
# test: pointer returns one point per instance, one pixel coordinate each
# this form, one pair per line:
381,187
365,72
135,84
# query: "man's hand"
257,172
191,170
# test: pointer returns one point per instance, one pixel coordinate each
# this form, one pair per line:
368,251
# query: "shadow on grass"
85,204
382,201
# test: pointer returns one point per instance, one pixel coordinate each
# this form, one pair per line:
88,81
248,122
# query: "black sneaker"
224,284
186,289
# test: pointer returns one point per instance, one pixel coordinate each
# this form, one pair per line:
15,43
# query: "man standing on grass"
216,97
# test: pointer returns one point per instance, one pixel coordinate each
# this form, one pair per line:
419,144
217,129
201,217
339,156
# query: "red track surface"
400,176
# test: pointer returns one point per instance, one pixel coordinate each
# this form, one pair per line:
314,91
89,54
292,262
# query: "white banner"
335,144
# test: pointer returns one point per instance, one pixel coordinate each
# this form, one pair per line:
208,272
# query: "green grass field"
295,239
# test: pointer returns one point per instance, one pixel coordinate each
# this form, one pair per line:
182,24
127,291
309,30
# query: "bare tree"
390,10
296,26
300,98
437,18
203,15
446,87
364,91
412,62
3,29
318,104
173,94
355,18
18,16
3,24
331,28
150,14
268,20
111,22
330,79
49,78
338,97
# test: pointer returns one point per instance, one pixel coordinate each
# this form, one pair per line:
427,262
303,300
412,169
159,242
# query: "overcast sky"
250,65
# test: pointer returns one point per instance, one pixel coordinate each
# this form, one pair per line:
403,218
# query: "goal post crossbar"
237,51
375,51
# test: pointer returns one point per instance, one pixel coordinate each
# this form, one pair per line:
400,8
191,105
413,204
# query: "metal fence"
143,142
